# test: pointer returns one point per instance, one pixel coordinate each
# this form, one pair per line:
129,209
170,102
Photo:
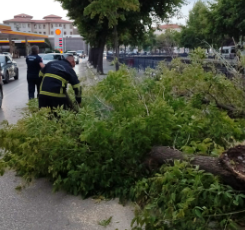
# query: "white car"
81,53
51,57
7,53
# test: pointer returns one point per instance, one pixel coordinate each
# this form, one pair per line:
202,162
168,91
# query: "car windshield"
80,51
52,57
2,59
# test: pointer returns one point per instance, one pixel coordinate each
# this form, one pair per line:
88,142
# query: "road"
37,207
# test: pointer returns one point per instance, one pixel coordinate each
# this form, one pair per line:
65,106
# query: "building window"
39,26
56,25
64,26
44,32
71,26
70,33
35,26
44,26
24,25
40,32
52,32
59,25
52,26
28,25
64,33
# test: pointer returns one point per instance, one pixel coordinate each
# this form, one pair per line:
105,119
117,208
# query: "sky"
41,8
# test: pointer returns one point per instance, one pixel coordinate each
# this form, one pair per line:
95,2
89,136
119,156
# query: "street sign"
58,39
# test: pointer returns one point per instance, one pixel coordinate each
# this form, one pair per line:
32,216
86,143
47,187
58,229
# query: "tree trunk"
230,166
101,46
116,48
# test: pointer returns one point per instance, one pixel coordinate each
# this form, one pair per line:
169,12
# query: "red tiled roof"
52,16
22,15
169,26
50,20
37,21
19,20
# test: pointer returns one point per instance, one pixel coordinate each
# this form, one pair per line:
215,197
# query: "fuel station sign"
58,39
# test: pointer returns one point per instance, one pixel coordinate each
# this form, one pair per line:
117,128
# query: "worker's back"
56,75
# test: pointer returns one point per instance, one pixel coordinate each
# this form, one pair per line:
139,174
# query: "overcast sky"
39,9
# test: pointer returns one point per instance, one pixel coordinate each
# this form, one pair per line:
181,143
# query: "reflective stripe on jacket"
55,76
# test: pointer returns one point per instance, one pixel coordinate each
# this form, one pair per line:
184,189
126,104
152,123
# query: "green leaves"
105,223
111,10
100,150
187,200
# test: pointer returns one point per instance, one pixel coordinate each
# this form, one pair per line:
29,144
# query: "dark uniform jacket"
33,65
55,76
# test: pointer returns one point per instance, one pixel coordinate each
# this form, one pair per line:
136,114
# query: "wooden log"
230,166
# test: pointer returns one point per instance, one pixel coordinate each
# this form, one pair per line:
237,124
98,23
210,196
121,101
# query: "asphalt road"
37,207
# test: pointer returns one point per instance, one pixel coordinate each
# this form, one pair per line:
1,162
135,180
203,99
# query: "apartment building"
25,23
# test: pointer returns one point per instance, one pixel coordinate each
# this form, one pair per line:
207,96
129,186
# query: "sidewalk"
107,66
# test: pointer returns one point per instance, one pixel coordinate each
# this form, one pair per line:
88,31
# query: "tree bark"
230,166
116,48
101,46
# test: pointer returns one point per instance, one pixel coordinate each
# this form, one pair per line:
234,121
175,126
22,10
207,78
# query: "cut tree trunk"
230,166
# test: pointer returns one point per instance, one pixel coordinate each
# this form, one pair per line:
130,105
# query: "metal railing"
141,62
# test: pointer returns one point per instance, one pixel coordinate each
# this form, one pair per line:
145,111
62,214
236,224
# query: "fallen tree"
230,166
99,149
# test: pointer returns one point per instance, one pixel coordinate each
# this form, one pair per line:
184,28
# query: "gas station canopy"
7,33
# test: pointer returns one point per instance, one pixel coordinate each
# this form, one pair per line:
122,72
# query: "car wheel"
1,98
16,77
77,62
6,78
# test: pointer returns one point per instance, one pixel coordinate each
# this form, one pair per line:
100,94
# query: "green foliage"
105,223
214,22
228,19
167,41
111,10
198,54
186,198
100,150
198,27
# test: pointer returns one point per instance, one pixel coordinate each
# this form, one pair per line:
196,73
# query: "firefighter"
34,65
55,76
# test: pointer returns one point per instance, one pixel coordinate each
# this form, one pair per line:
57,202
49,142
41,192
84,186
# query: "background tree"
198,28
227,19
167,41
96,20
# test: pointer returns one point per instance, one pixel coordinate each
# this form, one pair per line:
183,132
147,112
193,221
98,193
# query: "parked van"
228,52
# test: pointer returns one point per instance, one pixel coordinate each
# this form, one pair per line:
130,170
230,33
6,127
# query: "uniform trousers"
32,84
52,102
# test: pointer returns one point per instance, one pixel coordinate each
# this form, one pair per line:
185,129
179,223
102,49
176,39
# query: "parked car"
42,55
9,68
228,51
1,89
81,53
7,53
52,57
76,56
